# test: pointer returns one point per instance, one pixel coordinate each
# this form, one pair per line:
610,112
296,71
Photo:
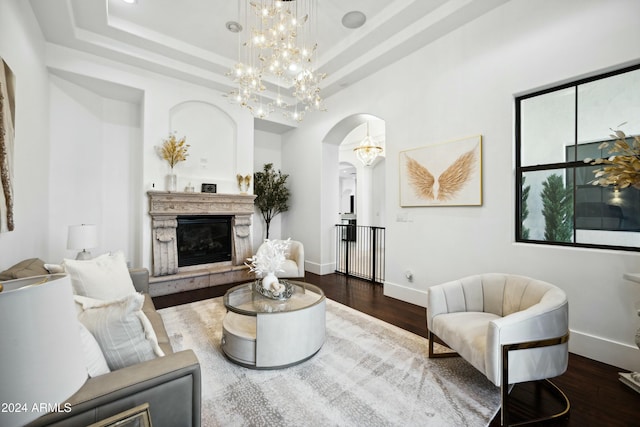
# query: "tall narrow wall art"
7,135
447,174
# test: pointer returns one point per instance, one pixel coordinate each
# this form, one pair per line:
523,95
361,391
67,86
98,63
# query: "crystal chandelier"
367,150
278,51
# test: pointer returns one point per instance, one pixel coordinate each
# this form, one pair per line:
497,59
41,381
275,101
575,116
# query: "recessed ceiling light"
354,19
233,26
130,1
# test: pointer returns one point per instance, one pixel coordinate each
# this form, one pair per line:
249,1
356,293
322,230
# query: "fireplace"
203,240
167,210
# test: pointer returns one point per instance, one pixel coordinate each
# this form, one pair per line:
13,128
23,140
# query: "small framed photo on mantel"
446,174
209,188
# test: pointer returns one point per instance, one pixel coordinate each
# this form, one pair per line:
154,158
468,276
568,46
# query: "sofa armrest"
140,279
170,384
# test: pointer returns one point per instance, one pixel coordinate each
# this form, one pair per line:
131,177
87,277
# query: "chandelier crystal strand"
277,48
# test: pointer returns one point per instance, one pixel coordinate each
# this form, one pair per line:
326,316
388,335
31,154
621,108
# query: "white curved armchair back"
517,309
293,267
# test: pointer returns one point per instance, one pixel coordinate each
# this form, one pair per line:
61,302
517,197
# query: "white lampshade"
83,236
41,359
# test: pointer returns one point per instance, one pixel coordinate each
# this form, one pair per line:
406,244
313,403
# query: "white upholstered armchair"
511,328
294,264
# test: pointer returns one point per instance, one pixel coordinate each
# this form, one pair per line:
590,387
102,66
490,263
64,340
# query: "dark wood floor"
597,397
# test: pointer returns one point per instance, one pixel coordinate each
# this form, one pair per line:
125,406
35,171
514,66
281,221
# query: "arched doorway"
360,196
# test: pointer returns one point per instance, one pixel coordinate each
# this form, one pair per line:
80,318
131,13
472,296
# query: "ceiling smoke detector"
233,26
354,19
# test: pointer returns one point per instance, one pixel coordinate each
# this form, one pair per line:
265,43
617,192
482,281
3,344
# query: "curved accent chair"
511,328
294,264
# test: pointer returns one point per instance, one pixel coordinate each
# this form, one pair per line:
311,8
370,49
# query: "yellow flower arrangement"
622,169
174,150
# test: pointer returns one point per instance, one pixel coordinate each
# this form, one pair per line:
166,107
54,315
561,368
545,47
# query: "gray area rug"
368,373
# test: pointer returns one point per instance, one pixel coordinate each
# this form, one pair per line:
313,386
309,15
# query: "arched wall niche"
213,149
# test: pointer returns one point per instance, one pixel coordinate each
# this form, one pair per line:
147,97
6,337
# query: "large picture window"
556,131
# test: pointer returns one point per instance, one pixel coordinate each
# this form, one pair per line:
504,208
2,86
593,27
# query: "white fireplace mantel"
165,207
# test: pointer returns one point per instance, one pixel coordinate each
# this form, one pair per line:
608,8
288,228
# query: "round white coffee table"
263,333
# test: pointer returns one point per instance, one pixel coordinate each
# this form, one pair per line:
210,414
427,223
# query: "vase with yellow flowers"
174,151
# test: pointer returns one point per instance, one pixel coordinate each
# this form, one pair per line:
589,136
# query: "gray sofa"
169,384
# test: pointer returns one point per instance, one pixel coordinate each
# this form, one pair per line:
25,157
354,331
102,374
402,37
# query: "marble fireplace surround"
164,209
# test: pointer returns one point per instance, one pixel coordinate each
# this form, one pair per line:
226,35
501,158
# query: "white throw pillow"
93,357
123,332
105,277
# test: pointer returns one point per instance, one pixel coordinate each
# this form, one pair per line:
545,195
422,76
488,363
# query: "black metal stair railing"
360,251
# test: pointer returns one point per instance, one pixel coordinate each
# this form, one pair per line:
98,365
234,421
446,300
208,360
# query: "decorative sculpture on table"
266,263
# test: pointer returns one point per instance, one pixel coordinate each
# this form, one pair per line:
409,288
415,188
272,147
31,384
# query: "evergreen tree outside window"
557,210
524,196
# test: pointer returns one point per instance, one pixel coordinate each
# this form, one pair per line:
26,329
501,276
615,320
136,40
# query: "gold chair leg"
553,389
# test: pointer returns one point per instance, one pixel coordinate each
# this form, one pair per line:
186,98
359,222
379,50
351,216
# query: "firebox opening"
203,239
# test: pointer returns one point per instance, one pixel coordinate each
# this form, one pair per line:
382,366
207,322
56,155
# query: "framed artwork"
7,133
446,174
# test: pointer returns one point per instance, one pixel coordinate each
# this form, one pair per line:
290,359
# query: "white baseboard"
600,349
606,351
406,294
319,269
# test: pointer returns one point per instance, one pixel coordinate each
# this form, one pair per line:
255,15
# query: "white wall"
302,160
212,154
22,48
94,169
461,85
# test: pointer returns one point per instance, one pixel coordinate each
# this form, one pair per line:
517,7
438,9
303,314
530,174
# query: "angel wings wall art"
448,174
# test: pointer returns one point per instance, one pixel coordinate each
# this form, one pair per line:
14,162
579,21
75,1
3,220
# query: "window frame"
568,166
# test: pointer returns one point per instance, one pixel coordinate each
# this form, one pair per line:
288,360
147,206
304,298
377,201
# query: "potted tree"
271,192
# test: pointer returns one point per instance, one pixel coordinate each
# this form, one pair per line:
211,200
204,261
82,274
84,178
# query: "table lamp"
41,359
83,237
